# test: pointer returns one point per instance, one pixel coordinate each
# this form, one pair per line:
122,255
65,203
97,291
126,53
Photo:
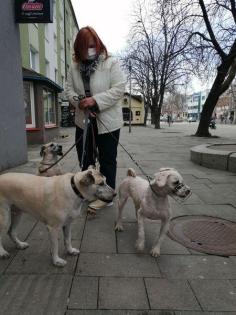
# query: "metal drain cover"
205,234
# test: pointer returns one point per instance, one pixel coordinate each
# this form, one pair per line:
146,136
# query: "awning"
30,75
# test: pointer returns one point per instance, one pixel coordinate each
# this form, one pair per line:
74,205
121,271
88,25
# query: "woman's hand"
86,103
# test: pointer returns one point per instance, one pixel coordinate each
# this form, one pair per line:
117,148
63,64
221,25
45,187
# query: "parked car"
192,119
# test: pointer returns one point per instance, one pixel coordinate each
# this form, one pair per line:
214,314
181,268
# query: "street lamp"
130,112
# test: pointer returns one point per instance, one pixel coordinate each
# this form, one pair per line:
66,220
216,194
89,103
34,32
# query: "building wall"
12,114
50,41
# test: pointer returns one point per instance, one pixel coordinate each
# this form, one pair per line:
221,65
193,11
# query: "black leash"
135,162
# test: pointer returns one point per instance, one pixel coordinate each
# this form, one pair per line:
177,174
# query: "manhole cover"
205,234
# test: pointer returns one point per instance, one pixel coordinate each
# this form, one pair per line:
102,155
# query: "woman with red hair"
97,76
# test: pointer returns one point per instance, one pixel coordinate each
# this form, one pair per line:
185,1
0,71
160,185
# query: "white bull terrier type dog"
151,201
55,201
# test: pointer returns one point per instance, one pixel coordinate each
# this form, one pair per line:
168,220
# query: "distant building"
195,103
137,109
46,51
226,105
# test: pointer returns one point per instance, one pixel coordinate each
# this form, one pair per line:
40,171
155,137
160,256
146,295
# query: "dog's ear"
42,150
87,179
161,178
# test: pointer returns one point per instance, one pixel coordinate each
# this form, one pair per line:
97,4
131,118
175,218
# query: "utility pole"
130,112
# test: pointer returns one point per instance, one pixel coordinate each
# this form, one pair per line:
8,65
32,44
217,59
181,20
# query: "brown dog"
50,152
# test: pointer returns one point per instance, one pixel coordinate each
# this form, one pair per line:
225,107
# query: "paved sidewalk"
109,277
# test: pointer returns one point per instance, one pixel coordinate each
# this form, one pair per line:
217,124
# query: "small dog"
55,201
50,152
151,201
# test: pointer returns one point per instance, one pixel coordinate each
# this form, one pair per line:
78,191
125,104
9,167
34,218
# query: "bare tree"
157,43
214,46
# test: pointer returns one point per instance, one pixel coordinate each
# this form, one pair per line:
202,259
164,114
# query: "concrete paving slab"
227,212
37,260
126,240
120,312
34,295
99,235
196,267
171,295
203,313
117,265
122,293
215,295
40,231
84,293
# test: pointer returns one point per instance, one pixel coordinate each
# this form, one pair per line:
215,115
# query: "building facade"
46,51
195,103
12,115
137,109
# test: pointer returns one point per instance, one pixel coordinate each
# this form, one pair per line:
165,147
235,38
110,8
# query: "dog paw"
4,254
22,245
73,251
59,262
155,252
139,246
119,227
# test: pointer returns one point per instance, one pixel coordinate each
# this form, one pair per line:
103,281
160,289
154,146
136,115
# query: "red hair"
81,43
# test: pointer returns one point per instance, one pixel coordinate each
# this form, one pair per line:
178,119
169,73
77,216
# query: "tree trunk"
157,114
211,101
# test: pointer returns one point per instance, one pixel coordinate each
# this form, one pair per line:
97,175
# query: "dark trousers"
106,145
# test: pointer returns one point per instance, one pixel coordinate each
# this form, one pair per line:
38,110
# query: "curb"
215,158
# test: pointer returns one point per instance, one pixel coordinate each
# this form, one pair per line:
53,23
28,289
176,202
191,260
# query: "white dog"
55,201
151,201
50,152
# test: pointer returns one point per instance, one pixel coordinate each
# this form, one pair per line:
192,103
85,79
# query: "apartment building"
46,51
195,103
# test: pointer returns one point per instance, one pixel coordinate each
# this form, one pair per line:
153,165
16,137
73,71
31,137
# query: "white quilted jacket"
107,86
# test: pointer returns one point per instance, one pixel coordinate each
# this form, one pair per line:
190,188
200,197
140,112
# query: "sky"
111,20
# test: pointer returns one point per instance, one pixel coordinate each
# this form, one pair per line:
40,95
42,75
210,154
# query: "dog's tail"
131,172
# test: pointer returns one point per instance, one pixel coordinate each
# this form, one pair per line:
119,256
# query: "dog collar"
77,192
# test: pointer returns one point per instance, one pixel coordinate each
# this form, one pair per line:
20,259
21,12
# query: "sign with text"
34,11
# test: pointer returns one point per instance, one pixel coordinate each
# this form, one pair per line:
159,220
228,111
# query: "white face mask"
91,53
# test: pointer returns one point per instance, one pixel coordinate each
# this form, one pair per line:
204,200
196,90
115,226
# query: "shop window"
29,104
49,108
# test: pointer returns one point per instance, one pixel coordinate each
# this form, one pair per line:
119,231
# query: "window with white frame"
56,76
29,104
46,31
47,66
34,59
49,107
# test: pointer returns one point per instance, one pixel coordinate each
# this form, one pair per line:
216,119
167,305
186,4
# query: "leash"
149,178
135,162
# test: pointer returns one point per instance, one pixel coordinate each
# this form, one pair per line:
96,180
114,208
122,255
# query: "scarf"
87,68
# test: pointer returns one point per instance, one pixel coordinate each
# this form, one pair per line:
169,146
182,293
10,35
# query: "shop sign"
34,11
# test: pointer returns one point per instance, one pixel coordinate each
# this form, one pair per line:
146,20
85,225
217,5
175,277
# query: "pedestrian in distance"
169,119
96,75
231,118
